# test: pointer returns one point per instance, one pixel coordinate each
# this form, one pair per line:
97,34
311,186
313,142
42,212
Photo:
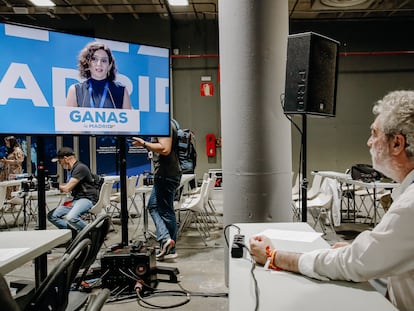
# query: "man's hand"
258,246
138,141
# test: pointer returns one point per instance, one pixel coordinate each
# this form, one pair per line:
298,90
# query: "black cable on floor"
203,294
143,302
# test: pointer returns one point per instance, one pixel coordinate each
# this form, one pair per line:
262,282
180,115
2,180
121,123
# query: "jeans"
72,214
161,207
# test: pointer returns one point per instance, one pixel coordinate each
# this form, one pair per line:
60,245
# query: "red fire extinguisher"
211,145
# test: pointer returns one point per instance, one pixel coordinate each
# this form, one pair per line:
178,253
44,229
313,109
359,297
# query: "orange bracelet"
271,255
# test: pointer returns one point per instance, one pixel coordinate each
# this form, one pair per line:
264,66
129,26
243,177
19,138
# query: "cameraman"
80,186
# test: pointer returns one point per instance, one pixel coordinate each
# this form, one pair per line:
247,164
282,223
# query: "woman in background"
97,65
12,164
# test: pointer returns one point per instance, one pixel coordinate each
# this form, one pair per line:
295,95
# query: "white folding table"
281,290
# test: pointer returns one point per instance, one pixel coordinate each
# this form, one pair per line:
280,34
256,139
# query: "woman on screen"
97,65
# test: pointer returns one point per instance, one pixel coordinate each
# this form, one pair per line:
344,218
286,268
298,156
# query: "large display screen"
38,66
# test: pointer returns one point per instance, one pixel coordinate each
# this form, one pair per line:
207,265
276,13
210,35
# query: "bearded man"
387,251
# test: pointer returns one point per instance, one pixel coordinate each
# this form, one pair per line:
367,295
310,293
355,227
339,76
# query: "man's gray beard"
386,167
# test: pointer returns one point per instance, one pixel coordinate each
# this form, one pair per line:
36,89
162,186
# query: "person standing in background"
167,177
12,164
97,65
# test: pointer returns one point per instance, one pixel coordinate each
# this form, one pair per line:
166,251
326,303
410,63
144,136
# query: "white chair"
320,208
333,187
23,202
138,188
194,213
104,200
197,189
3,192
116,197
296,210
296,185
316,186
30,209
313,191
209,212
209,203
140,181
131,186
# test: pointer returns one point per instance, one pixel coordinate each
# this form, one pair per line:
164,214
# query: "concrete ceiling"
11,10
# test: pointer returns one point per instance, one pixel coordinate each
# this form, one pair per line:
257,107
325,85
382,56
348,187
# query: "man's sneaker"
165,249
170,256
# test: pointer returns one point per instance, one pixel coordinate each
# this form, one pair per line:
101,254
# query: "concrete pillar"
257,165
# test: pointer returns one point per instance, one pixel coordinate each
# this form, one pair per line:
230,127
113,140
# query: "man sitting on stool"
80,186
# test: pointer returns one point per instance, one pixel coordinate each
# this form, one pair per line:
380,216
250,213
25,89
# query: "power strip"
237,248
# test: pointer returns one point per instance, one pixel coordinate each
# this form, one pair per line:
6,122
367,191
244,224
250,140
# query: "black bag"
365,173
186,147
97,182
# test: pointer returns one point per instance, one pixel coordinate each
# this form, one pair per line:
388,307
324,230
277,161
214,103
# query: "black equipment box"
122,268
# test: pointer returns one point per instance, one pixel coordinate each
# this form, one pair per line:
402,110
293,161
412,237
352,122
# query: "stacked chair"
96,232
296,194
104,200
192,211
53,292
3,192
62,289
211,208
115,198
103,205
322,196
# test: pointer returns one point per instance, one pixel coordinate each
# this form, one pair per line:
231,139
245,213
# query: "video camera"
148,178
30,184
52,181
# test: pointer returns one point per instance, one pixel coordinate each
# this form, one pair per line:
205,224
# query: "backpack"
186,146
97,182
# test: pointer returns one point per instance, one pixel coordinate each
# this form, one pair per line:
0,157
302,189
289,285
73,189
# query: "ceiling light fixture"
42,2
178,2
20,10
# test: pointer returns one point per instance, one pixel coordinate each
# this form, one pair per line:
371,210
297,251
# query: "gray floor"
201,268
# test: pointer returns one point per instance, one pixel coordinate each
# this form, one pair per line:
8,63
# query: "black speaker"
311,75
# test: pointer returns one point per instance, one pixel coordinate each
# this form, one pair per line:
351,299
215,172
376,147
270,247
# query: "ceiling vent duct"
341,4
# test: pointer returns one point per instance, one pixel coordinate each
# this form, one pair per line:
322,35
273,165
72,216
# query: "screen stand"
123,179
304,183
41,261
